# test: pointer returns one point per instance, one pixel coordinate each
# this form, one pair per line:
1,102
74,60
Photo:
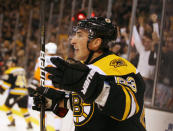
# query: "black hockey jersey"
123,109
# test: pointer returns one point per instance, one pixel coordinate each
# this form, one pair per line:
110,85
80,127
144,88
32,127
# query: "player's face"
79,42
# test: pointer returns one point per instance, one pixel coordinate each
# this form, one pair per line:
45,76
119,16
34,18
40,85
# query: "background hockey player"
51,50
106,90
14,79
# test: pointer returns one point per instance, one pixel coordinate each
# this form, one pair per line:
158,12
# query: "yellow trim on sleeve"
19,91
115,118
142,118
128,103
137,106
12,69
6,85
127,106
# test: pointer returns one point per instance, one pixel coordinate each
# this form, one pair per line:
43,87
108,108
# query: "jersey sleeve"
123,98
7,81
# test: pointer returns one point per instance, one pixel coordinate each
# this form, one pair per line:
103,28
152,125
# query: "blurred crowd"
15,40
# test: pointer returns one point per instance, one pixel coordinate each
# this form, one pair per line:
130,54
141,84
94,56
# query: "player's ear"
96,43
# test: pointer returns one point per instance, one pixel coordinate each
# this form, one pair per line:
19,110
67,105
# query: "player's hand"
49,104
32,87
49,93
76,77
50,96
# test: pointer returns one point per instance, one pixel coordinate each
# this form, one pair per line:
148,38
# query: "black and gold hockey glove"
76,77
32,86
50,98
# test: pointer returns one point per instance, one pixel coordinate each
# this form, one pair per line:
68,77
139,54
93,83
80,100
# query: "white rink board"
158,120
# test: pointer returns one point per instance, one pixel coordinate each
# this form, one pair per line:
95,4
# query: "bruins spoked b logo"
82,112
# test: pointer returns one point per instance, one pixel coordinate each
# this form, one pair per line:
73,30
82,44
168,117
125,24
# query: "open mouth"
76,49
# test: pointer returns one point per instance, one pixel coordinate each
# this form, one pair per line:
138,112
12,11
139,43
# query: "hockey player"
107,92
50,50
14,79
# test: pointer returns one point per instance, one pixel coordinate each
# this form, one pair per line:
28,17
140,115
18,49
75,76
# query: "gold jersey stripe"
128,103
142,118
14,69
6,85
127,106
137,106
19,91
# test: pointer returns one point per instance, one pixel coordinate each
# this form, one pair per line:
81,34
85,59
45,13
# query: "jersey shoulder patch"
115,65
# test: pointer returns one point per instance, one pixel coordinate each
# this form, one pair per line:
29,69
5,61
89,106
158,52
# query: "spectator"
147,71
115,47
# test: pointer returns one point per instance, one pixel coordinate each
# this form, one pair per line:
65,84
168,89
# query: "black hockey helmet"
98,27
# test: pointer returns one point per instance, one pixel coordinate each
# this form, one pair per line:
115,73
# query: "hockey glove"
76,77
33,85
51,100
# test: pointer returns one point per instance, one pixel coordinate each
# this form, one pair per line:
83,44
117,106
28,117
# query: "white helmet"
51,48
